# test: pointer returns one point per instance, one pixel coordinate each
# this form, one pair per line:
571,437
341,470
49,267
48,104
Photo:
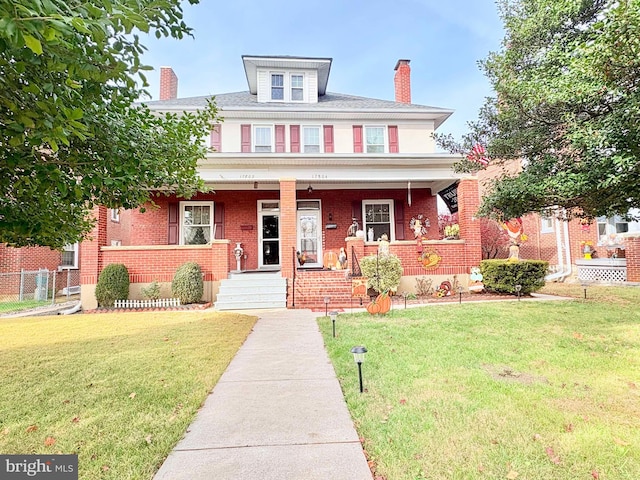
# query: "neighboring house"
292,166
13,260
612,244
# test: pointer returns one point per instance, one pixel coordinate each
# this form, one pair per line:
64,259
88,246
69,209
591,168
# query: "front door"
269,234
310,233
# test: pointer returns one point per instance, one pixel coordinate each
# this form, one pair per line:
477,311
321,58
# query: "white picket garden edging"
161,302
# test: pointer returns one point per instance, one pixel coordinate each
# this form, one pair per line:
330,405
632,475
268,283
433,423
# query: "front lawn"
515,390
117,389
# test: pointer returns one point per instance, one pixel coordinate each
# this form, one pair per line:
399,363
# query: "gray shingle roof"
328,102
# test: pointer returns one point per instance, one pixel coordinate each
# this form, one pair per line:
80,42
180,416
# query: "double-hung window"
115,214
297,88
546,224
196,219
69,256
312,141
378,217
263,138
277,86
375,139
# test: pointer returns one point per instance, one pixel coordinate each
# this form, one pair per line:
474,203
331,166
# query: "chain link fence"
37,288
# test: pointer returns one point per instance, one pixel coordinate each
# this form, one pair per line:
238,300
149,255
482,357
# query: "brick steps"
312,286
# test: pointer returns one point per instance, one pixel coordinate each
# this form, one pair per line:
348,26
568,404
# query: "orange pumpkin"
373,308
384,300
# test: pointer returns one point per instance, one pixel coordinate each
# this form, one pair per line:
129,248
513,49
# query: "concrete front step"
251,290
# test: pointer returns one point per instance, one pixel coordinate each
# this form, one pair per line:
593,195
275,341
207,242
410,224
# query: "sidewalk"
277,413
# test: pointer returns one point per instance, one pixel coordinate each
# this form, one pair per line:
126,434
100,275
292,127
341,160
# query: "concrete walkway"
277,413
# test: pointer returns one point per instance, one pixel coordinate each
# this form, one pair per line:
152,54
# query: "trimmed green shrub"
152,292
187,283
113,284
502,276
383,272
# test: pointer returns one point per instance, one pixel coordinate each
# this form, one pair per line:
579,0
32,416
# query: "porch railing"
355,264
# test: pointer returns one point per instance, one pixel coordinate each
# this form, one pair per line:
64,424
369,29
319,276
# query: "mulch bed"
191,306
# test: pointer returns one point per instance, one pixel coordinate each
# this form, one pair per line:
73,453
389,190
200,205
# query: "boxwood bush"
383,272
502,276
187,283
113,284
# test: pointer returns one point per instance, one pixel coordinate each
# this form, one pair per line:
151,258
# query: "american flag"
478,155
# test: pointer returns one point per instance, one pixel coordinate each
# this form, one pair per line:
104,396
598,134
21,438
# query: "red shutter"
245,138
174,217
357,139
328,139
294,131
218,220
279,138
398,214
216,138
393,139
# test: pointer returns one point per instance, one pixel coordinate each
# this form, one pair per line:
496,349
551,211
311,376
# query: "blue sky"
444,39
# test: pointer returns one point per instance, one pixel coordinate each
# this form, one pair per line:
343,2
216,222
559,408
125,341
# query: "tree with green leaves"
72,131
567,104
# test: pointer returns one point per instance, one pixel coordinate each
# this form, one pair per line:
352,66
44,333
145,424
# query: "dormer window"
297,88
277,86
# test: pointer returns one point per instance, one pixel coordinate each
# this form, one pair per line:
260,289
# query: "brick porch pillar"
468,203
632,254
288,230
91,258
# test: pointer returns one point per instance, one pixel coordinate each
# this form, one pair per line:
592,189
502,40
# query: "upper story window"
287,87
263,138
312,139
378,218
546,224
375,139
277,86
297,88
115,214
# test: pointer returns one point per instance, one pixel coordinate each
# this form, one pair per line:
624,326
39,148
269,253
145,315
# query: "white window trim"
76,250
304,87
254,136
115,215
196,204
392,224
320,136
286,80
284,87
385,139
544,226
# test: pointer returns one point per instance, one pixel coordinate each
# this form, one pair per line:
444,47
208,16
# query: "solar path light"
334,316
358,357
518,290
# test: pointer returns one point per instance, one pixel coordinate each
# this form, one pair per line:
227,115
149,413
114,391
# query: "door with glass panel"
309,233
268,234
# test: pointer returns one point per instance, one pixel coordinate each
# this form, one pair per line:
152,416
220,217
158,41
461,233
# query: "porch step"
251,290
311,288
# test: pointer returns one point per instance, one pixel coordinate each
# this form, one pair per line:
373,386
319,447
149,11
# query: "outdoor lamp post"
358,357
518,289
405,294
334,316
326,305
584,287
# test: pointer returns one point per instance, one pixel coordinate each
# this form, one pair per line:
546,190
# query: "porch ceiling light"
309,188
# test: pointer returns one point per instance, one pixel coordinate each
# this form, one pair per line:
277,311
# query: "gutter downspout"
76,308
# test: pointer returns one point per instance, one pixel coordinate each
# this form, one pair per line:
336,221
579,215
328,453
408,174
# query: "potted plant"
452,232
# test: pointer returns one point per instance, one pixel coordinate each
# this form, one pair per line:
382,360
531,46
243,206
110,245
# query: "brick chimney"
168,84
402,81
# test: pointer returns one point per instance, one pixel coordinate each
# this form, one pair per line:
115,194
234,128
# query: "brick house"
292,168
614,243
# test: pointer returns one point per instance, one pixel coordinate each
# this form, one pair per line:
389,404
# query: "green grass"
490,390
117,389
12,306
